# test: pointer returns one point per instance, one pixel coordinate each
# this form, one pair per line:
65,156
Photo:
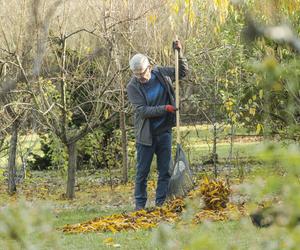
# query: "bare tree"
75,71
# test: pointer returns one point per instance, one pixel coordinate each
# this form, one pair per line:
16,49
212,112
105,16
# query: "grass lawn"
127,240
197,152
95,199
228,234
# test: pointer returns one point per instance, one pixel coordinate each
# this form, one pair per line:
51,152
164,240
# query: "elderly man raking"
151,93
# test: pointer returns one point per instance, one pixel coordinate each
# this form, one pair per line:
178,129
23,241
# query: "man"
151,93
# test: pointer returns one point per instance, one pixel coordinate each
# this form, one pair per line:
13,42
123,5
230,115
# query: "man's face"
143,75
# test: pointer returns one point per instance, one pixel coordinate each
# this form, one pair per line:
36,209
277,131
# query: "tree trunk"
72,153
229,160
124,148
214,151
2,142
122,119
215,134
231,142
12,188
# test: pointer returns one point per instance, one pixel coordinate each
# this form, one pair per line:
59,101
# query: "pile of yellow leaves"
215,193
231,212
143,219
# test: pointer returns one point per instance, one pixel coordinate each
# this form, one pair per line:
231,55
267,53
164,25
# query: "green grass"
93,201
198,152
93,241
230,234
203,132
141,239
73,216
226,233
240,235
223,235
127,240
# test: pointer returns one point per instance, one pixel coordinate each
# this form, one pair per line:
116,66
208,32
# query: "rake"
181,181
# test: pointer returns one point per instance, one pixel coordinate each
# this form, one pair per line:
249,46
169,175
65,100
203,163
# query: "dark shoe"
139,208
159,204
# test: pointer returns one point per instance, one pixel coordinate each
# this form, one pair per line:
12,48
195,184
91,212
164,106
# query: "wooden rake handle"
177,94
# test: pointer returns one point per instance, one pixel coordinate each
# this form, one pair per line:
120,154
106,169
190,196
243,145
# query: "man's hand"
177,45
170,108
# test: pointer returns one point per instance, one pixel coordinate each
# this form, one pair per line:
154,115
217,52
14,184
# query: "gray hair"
139,62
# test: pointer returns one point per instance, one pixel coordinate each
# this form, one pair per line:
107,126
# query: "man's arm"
183,69
139,103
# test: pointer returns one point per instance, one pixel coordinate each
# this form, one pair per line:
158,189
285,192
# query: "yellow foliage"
252,111
261,94
108,240
106,114
215,193
277,86
230,212
271,8
143,219
175,8
270,63
152,18
222,6
259,128
229,104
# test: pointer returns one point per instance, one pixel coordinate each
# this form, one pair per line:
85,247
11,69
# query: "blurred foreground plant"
25,227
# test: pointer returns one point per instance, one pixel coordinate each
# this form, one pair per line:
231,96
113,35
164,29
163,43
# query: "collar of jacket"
157,73
162,79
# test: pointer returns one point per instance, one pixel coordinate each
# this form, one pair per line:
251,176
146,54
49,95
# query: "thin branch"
90,127
92,32
50,108
137,17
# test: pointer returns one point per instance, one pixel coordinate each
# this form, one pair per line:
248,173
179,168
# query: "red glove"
170,108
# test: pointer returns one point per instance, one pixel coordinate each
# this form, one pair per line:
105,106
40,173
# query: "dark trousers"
161,146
